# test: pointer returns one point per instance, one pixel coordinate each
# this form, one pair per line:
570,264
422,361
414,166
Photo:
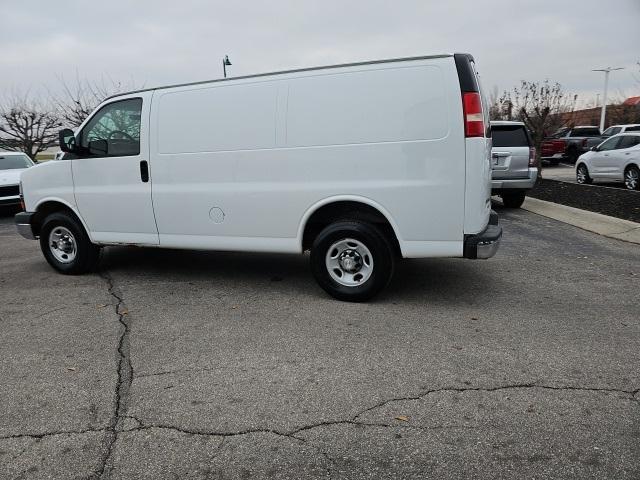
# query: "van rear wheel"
66,245
352,260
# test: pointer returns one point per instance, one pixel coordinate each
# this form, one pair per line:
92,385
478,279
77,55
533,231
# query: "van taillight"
533,161
473,118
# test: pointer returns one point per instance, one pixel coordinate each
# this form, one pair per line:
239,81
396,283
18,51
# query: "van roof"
308,69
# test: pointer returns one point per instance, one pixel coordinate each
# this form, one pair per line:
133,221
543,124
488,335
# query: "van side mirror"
99,148
67,140
594,149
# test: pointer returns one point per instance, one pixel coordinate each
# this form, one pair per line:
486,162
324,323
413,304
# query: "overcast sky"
156,42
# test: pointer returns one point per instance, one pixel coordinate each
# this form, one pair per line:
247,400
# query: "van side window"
114,131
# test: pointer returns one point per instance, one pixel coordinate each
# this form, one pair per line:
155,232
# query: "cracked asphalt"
176,364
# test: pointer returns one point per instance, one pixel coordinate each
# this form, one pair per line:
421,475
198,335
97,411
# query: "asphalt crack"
40,436
353,420
530,385
123,384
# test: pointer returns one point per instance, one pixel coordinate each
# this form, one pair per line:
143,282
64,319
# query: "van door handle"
144,171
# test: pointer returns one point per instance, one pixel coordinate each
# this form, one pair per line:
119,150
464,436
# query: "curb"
593,222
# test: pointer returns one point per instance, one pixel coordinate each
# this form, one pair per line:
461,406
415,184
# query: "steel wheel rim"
62,245
631,179
349,262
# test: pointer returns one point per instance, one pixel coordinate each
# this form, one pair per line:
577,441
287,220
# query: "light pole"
225,64
603,112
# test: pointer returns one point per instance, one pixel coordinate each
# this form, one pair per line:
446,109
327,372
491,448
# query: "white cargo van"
358,163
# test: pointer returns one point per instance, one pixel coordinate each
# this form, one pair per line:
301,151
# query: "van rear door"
477,200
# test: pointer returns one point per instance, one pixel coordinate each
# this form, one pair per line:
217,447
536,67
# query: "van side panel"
200,134
391,133
373,106
217,118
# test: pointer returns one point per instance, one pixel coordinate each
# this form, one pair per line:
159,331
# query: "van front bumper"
23,224
486,243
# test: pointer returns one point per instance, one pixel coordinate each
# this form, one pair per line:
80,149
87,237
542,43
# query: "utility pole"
603,112
225,64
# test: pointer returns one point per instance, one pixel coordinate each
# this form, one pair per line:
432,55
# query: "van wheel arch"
347,210
47,208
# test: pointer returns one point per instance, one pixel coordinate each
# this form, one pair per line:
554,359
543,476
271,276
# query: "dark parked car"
569,143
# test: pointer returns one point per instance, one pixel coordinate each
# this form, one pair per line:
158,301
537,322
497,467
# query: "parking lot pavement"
562,171
174,364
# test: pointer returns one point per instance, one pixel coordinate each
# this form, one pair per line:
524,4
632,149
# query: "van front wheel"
66,245
352,260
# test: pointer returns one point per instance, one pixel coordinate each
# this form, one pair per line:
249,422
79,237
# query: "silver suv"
513,162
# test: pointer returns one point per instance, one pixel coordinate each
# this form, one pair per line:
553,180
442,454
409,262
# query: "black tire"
513,199
554,162
572,155
582,175
632,178
86,253
373,239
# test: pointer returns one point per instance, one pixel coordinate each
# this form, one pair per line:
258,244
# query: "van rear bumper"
486,243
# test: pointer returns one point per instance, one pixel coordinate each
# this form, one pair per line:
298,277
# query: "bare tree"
542,106
78,99
27,125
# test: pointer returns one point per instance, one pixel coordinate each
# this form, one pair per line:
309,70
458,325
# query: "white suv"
615,159
616,129
357,163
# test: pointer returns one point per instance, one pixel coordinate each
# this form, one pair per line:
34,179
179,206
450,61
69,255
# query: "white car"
357,163
12,164
616,129
615,159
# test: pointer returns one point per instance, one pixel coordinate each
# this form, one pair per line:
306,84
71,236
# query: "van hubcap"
62,244
349,262
631,179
